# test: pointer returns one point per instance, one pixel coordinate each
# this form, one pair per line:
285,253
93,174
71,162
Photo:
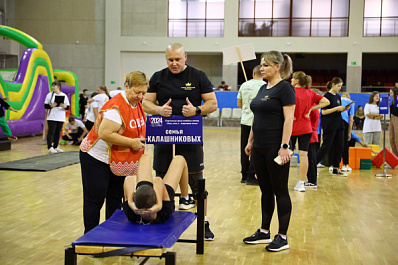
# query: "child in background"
3,124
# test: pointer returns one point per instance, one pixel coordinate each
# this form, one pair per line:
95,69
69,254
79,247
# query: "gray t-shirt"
248,90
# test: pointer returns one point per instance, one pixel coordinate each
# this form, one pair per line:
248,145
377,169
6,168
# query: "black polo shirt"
267,108
333,121
191,83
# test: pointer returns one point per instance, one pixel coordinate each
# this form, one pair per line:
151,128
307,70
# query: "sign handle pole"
241,63
384,151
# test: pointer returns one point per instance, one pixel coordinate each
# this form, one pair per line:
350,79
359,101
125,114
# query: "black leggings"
331,139
312,169
54,132
245,161
273,180
99,183
346,144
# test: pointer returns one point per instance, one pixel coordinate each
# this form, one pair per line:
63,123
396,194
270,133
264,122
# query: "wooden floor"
346,220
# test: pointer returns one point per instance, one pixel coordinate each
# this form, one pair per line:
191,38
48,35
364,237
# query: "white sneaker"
299,186
59,150
346,168
330,168
52,151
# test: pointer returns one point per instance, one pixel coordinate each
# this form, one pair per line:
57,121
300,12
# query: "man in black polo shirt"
179,90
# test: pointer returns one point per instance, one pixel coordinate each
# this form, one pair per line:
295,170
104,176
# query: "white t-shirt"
371,125
100,150
56,113
247,92
75,126
101,99
90,114
114,93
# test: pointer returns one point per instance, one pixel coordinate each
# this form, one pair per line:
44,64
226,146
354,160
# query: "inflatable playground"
30,84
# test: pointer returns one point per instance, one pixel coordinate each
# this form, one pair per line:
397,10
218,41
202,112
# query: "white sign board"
231,54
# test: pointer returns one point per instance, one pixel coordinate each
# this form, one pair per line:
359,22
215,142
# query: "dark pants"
99,183
245,160
273,181
89,125
332,139
74,136
346,144
312,164
53,134
358,123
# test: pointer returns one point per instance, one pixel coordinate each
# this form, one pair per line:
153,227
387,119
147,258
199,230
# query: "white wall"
354,45
147,62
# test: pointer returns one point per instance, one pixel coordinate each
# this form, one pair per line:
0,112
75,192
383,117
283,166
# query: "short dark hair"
57,83
144,197
71,118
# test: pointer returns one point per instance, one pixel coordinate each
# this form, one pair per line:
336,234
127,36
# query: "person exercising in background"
152,200
3,124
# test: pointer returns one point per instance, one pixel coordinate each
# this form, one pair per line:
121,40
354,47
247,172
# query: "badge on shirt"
188,86
265,98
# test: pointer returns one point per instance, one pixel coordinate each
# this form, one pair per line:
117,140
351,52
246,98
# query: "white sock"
205,218
186,197
301,181
284,237
264,231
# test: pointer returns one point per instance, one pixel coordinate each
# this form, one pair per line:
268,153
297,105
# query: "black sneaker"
337,172
186,204
252,181
209,236
278,244
310,185
258,238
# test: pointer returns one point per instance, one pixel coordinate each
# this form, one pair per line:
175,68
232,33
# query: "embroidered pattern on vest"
124,169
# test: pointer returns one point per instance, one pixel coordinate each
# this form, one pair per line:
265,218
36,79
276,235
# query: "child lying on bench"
152,200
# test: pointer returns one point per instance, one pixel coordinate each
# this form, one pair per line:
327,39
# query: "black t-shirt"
3,104
162,216
82,103
267,108
191,83
394,110
333,121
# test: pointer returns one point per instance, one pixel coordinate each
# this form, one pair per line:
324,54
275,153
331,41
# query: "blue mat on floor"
43,163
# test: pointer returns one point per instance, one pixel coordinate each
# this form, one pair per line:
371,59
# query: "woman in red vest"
111,150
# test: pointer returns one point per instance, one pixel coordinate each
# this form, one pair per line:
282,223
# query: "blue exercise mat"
119,231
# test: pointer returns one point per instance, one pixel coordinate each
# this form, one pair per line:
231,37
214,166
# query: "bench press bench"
118,236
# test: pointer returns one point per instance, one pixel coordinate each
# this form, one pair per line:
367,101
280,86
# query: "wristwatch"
285,146
198,111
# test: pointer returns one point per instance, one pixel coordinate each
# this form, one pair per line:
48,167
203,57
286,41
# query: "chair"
236,113
226,113
215,115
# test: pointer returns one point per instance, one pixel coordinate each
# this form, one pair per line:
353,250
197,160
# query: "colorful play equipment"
32,82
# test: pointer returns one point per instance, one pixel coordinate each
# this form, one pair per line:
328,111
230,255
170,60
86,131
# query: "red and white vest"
123,160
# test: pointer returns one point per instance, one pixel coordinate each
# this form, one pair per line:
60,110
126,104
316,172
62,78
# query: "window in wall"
196,18
293,18
380,18
2,17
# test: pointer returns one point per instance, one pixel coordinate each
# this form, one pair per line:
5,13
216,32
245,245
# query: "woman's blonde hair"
303,79
345,95
105,89
136,79
283,60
